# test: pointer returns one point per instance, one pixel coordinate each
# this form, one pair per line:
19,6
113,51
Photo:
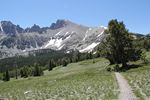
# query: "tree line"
37,70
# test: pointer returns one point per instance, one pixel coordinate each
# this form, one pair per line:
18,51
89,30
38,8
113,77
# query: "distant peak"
6,23
35,26
60,23
9,28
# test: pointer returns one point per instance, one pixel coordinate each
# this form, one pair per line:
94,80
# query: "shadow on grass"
128,67
132,66
119,68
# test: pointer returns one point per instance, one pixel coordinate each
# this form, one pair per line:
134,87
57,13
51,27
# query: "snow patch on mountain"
84,37
89,48
87,31
104,27
1,27
72,32
68,52
66,33
61,47
24,50
90,29
100,34
68,37
58,33
51,42
54,43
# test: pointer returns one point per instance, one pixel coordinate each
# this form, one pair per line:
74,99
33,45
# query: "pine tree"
59,62
76,56
51,65
16,71
21,73
37,70
90,55
119,44
24,72
6,76
147,44
64,62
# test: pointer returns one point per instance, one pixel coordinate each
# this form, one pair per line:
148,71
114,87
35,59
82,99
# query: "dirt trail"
125,90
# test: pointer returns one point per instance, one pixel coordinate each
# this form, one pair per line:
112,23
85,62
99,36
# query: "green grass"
139,79
148,55
78,81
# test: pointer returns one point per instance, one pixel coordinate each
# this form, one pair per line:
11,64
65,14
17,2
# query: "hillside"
83,80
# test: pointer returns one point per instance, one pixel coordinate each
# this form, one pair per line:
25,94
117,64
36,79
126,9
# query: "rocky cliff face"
63,34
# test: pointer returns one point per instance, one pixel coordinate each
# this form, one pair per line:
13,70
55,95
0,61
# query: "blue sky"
134,13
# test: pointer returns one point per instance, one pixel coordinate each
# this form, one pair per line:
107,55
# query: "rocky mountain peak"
8,27
34,28
59,24
6,23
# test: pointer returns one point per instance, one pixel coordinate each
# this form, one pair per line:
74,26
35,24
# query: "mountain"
62,35
8,27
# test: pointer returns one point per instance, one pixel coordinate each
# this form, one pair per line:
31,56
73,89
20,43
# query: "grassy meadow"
86,80
139,79
78,81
